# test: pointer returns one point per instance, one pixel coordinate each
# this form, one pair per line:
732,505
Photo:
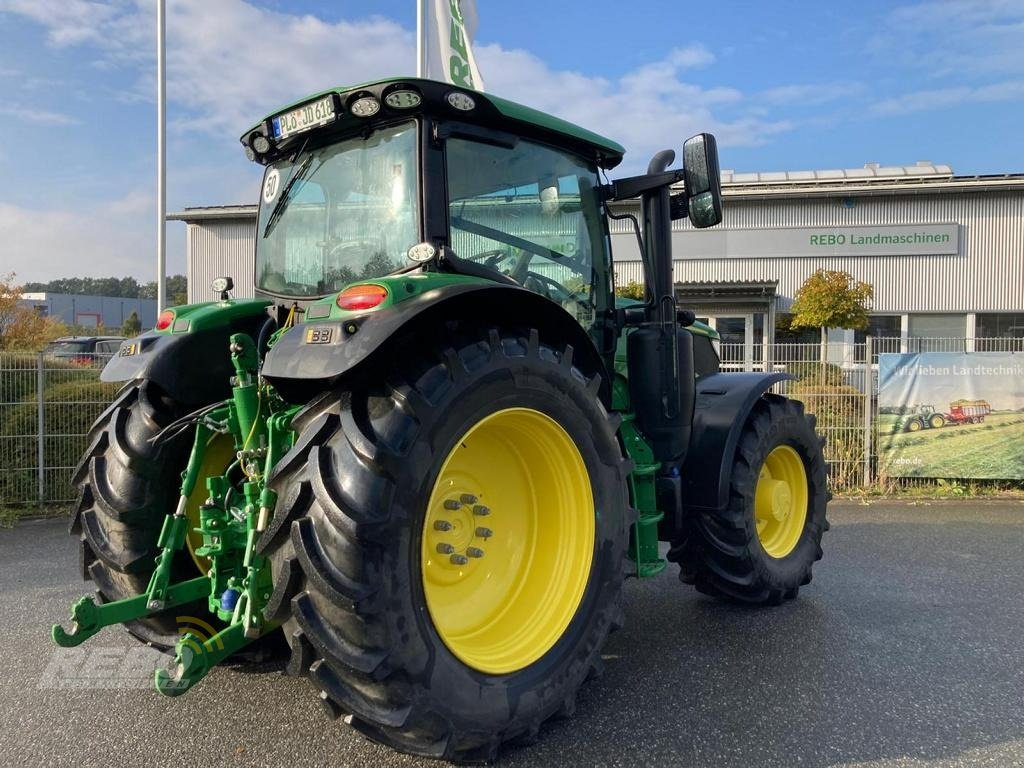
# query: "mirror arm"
634,186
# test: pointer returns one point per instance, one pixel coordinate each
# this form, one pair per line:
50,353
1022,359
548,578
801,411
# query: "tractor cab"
377,194
414,176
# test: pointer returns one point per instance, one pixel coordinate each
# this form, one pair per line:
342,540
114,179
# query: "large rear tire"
396,621
762,548
127,485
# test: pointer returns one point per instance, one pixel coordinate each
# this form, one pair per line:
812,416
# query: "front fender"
314,355
190,359
724,400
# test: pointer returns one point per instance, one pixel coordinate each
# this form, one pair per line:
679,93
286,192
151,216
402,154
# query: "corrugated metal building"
108,312
944,253
221,240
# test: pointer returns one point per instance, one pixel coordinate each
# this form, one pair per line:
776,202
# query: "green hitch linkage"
194,658
89,618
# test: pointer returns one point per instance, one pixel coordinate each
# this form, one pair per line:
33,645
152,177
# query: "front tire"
762,547
378,615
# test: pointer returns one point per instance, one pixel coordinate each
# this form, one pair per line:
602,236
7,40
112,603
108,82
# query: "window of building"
999,332
1000,325
937,333
884,331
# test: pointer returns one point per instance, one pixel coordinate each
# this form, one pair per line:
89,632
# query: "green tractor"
432,449
920,417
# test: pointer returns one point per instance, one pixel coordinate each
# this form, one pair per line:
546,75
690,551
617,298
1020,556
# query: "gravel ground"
907,650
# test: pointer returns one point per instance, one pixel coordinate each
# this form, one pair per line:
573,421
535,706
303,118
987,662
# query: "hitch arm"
89,618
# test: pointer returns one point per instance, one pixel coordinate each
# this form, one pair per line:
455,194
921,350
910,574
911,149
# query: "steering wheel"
492,258
336,246
551,287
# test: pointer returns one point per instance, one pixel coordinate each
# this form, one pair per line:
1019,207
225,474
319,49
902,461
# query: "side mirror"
703,181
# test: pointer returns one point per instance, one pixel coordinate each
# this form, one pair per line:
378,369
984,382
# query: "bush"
18,375
70,408
814,373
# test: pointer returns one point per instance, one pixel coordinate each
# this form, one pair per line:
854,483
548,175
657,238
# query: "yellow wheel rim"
780,501
508,540
220,453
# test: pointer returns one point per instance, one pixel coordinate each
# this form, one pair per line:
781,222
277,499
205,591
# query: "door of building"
737,347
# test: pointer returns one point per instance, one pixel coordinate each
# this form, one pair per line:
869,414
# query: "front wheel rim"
780,501
508,540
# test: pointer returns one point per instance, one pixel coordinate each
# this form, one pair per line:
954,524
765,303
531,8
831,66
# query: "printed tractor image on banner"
949,414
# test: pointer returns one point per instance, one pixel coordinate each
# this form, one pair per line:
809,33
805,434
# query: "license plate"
304,118
127,350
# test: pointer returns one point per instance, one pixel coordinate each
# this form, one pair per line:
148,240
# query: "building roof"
207,212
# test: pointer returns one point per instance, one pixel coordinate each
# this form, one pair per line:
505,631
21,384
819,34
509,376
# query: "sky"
784,85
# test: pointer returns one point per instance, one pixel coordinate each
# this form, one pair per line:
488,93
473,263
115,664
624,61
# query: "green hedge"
18,375
70,408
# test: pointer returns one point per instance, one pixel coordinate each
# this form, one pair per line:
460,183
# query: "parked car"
84,350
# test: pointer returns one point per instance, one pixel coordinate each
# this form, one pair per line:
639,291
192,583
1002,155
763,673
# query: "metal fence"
47,405
837,383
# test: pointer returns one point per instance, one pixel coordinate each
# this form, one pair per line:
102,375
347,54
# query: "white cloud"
943,98
810,94
648,109
67,21
114,238
37,116
954,38
230,63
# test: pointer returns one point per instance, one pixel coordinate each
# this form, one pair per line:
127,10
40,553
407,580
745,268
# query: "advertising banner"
951,414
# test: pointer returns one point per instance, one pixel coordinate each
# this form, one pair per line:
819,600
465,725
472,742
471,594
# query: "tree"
22,328
831,299
177,290
132,326
631,290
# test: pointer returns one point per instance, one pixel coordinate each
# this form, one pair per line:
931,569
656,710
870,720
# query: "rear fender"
315,355
190,359
724,401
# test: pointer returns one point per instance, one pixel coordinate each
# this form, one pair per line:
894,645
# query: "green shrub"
70,409
18,372
813,372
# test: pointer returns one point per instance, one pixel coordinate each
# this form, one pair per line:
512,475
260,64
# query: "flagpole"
421,40
161,151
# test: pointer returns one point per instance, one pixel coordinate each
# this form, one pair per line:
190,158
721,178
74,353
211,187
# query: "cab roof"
490,111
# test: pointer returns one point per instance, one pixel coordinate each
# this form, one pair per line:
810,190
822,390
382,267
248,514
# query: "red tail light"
164,321
360,297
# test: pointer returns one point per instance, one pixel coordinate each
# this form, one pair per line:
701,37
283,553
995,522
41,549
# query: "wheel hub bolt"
452,504
459,559
442,525
481,510
467,498
445,549
484,533
474,552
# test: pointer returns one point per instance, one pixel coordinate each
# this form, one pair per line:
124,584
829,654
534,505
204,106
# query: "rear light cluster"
359,297
164,321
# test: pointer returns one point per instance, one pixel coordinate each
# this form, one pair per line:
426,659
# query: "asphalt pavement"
906,650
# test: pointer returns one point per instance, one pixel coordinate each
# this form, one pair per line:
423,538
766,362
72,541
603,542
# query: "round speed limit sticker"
271,185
